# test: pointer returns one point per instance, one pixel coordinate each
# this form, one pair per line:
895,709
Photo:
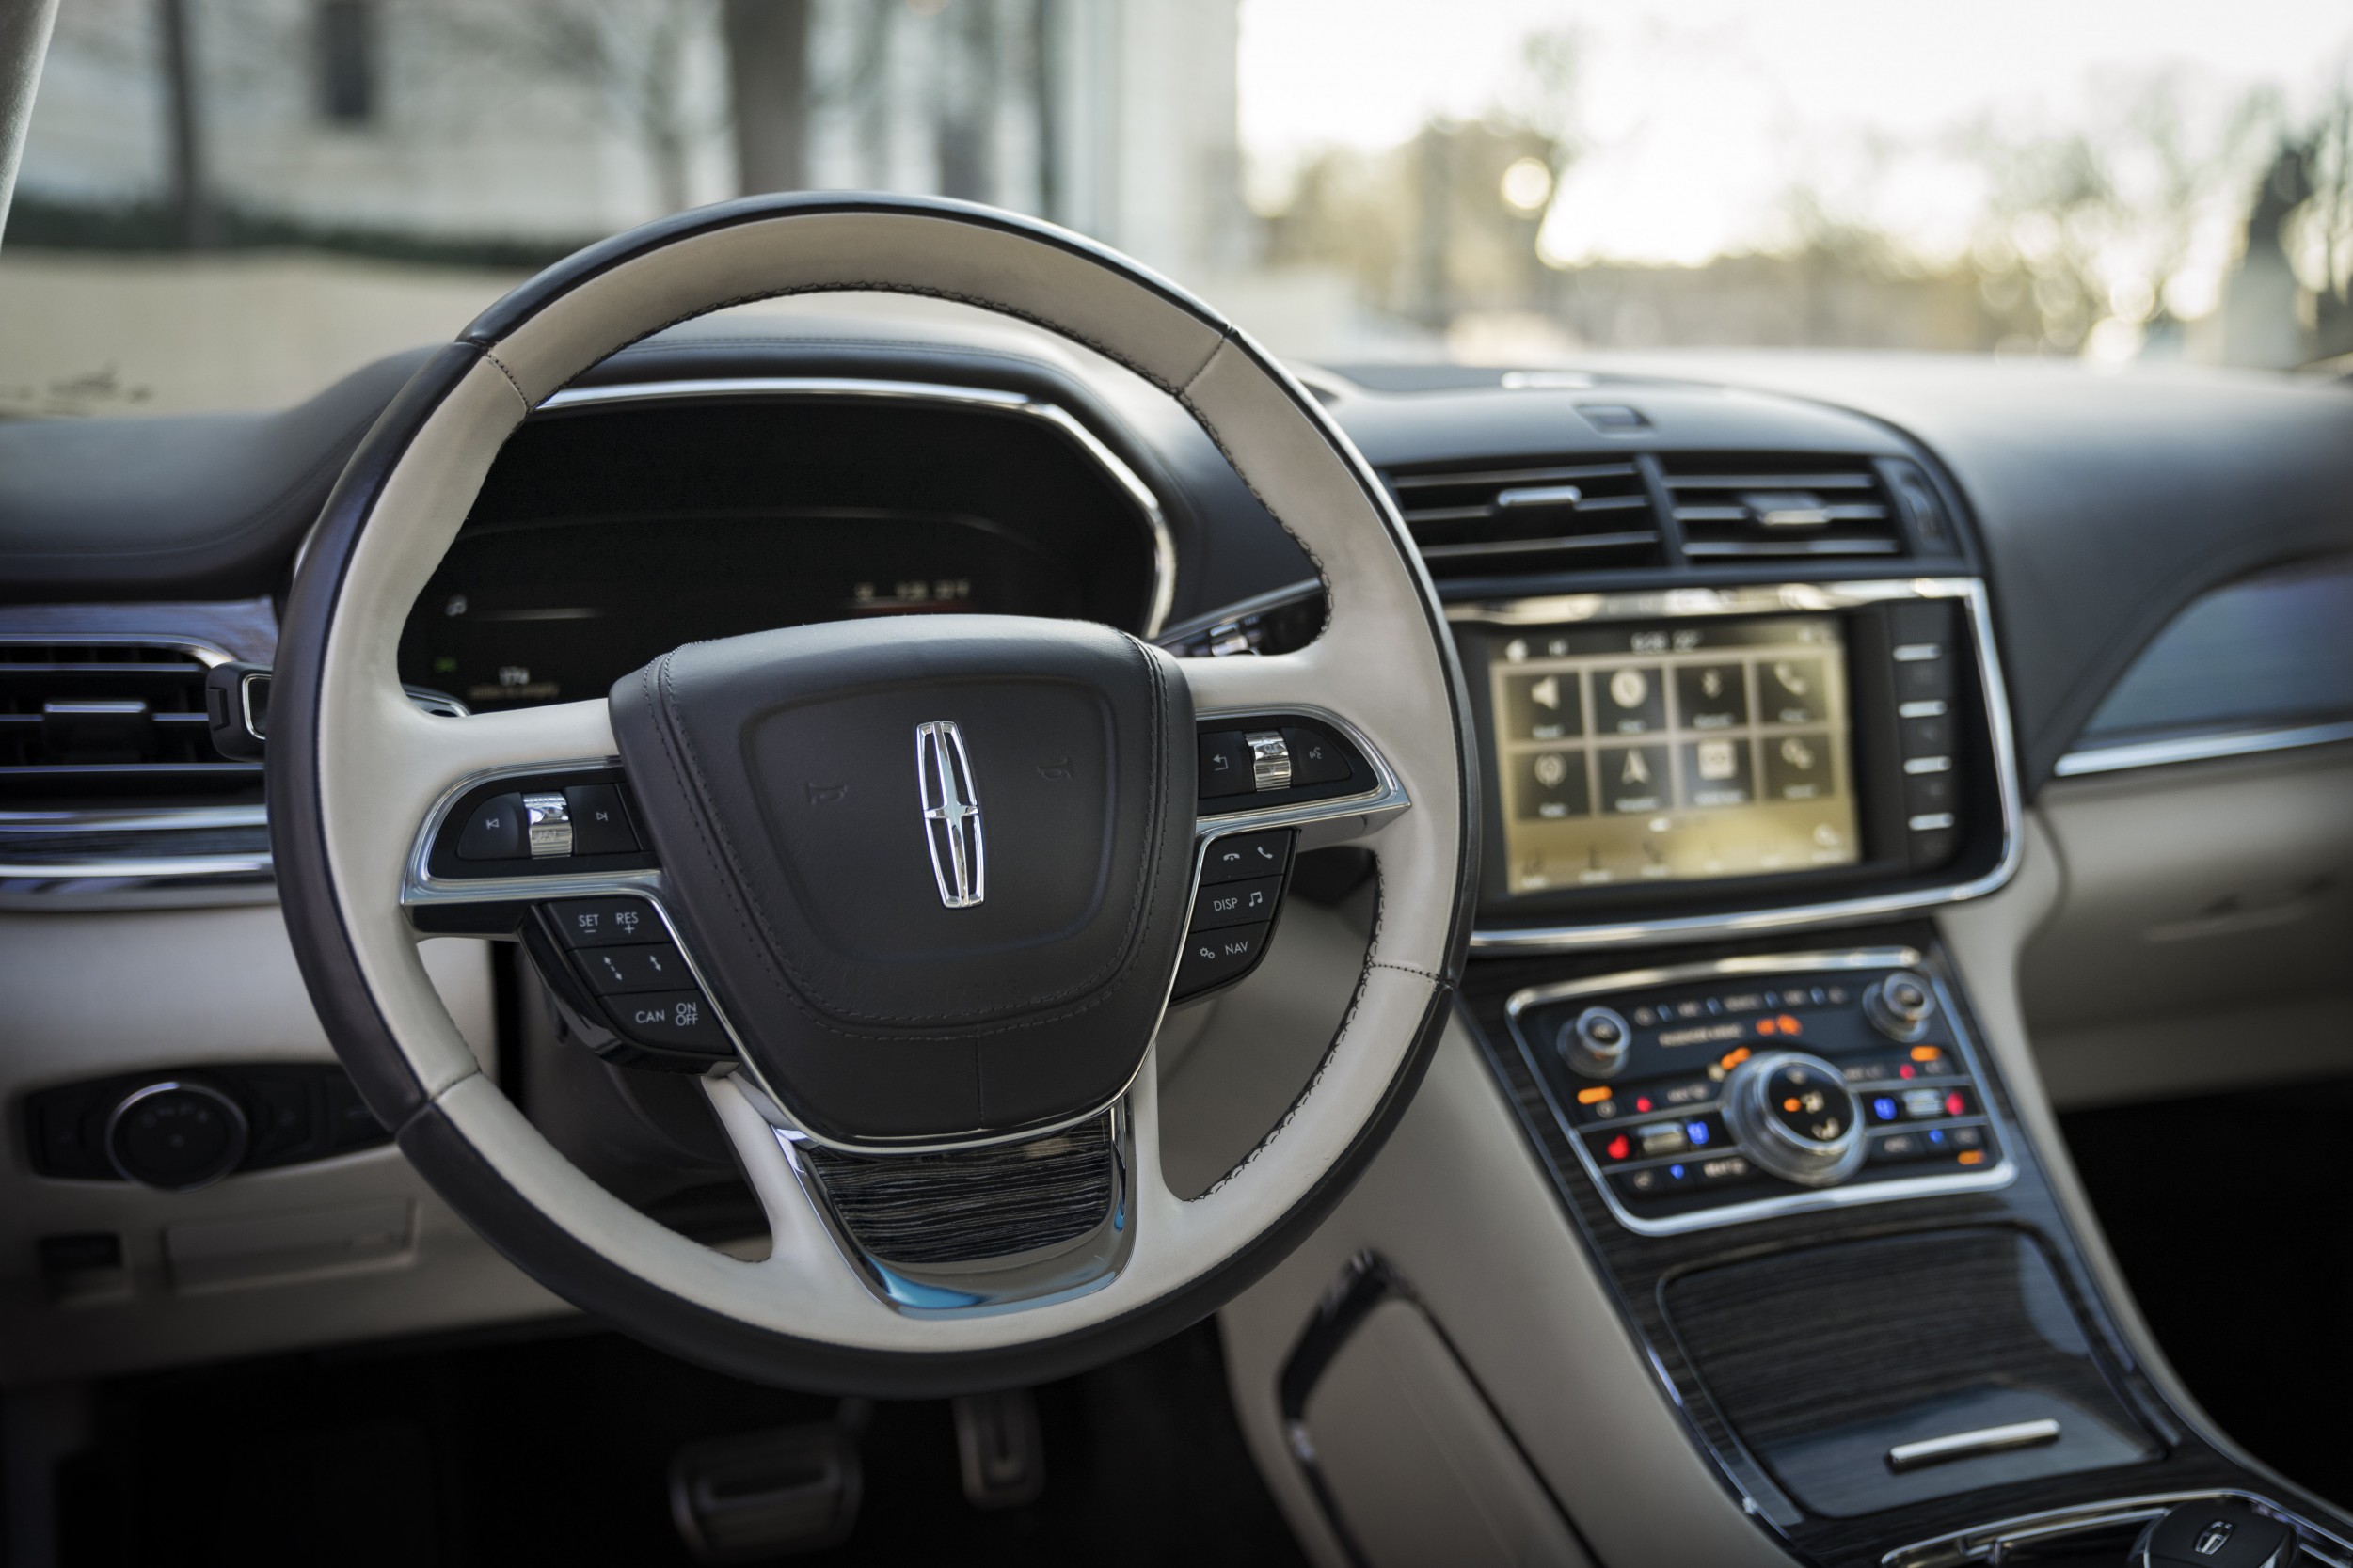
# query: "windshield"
229,203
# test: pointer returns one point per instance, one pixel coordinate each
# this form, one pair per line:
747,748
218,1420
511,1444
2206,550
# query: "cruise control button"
1315,760
673,1020
613,971
1213,957
600,826
1225,765
604,922
1229,860
1237,903
495,832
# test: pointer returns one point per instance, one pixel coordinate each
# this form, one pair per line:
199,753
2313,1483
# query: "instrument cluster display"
1630,753
556,612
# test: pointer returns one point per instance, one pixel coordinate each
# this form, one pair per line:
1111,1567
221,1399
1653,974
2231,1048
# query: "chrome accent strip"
1964,1444
817,388
1790,1203
133,819
1989,1542
1666,604
1930,708
2204,747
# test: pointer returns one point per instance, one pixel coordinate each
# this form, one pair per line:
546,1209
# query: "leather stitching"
500,365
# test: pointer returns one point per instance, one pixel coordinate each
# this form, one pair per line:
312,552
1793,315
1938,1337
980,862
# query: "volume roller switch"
1594,1043
1899,1007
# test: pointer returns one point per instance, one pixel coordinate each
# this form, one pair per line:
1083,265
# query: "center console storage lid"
1871,1375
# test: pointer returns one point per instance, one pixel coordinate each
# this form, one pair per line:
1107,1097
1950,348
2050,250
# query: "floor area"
547,1450
2230,1215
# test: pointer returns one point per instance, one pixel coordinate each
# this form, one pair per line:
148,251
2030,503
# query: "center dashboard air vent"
1737,507
84,718
1474,520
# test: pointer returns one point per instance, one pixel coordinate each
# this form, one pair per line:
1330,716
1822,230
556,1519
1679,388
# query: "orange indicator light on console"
1592,1096
1735,1057
1790,1025
1972,1156
1768,1026
1927,1053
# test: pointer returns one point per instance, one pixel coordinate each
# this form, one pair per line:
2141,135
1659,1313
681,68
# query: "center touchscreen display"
1631,752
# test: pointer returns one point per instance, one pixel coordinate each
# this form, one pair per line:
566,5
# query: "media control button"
616,971
599,921
1543,707
1213,957
670,1020
1225,764
1711,696
1222,904
495,832
600,826
1549,787
1630,700
1230,860
547,825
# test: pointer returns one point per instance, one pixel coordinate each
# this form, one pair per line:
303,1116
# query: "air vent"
1476,521
1734,507
107,719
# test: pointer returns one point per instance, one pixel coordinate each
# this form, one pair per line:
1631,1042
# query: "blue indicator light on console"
1676,1171
1884,1108
1936,1135
1697,1132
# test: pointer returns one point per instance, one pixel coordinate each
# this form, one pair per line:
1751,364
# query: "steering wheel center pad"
811,850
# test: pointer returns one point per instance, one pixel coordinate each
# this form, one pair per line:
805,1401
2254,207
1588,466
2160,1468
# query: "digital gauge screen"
1628,753
556,612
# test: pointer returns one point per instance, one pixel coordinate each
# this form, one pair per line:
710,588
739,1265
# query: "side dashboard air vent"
1732,507
1473,520
115,718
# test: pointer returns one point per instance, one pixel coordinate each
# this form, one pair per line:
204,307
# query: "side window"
347,62
2265,652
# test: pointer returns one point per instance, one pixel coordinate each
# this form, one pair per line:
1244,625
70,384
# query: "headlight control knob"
1595,1041
1899,1007
176,1135
1795,1116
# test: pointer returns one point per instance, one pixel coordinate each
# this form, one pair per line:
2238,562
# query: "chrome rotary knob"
1796,1117
1899,1007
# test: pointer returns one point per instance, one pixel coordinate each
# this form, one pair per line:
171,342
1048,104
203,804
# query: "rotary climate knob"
1796,1117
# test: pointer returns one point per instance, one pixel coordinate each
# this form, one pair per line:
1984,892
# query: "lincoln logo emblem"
952,815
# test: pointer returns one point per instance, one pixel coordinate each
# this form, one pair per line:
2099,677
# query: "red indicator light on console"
1955,1105
1642,1103
1905,1071
1617,1147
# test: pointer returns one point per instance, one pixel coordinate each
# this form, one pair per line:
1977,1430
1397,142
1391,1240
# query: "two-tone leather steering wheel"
897,974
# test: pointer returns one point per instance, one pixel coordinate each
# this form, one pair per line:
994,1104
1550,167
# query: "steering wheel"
906,999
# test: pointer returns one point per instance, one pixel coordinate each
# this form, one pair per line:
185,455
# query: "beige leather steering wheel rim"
355,768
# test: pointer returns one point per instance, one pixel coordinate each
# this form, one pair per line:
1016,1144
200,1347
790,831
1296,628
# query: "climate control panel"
1711,1093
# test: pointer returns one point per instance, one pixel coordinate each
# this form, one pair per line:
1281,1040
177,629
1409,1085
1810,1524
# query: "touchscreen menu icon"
1633,778
1793,691
1628,700
1543,707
